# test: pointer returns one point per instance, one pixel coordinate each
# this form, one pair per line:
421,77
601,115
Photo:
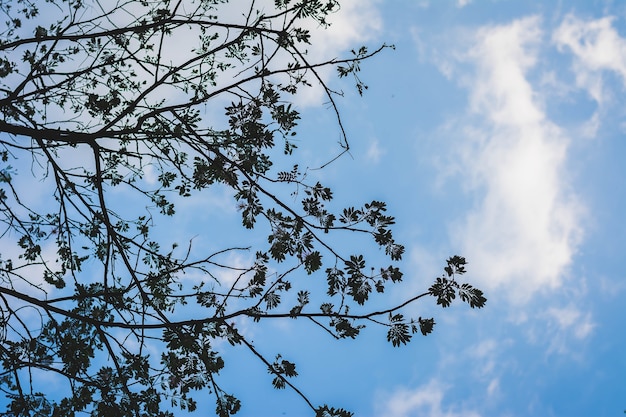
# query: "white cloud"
426,400
463,3
524,229
356,21
597,46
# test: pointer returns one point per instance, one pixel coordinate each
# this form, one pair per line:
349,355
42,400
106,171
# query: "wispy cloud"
524,229
564,329
566,325
571,317
426,400
597,47
374,152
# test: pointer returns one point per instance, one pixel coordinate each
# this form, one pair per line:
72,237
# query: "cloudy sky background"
495,130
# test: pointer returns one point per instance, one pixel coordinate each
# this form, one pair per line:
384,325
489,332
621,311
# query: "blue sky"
494,130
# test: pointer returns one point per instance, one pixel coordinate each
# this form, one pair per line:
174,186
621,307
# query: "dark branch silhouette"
112,116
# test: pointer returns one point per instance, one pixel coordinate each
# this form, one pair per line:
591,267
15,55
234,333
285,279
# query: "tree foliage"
115,113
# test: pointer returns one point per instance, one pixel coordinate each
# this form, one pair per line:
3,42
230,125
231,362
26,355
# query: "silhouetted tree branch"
112,115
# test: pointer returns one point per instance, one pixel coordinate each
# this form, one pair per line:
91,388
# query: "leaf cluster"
446,287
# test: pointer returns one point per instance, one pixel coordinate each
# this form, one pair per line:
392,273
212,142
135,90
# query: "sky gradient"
494,130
